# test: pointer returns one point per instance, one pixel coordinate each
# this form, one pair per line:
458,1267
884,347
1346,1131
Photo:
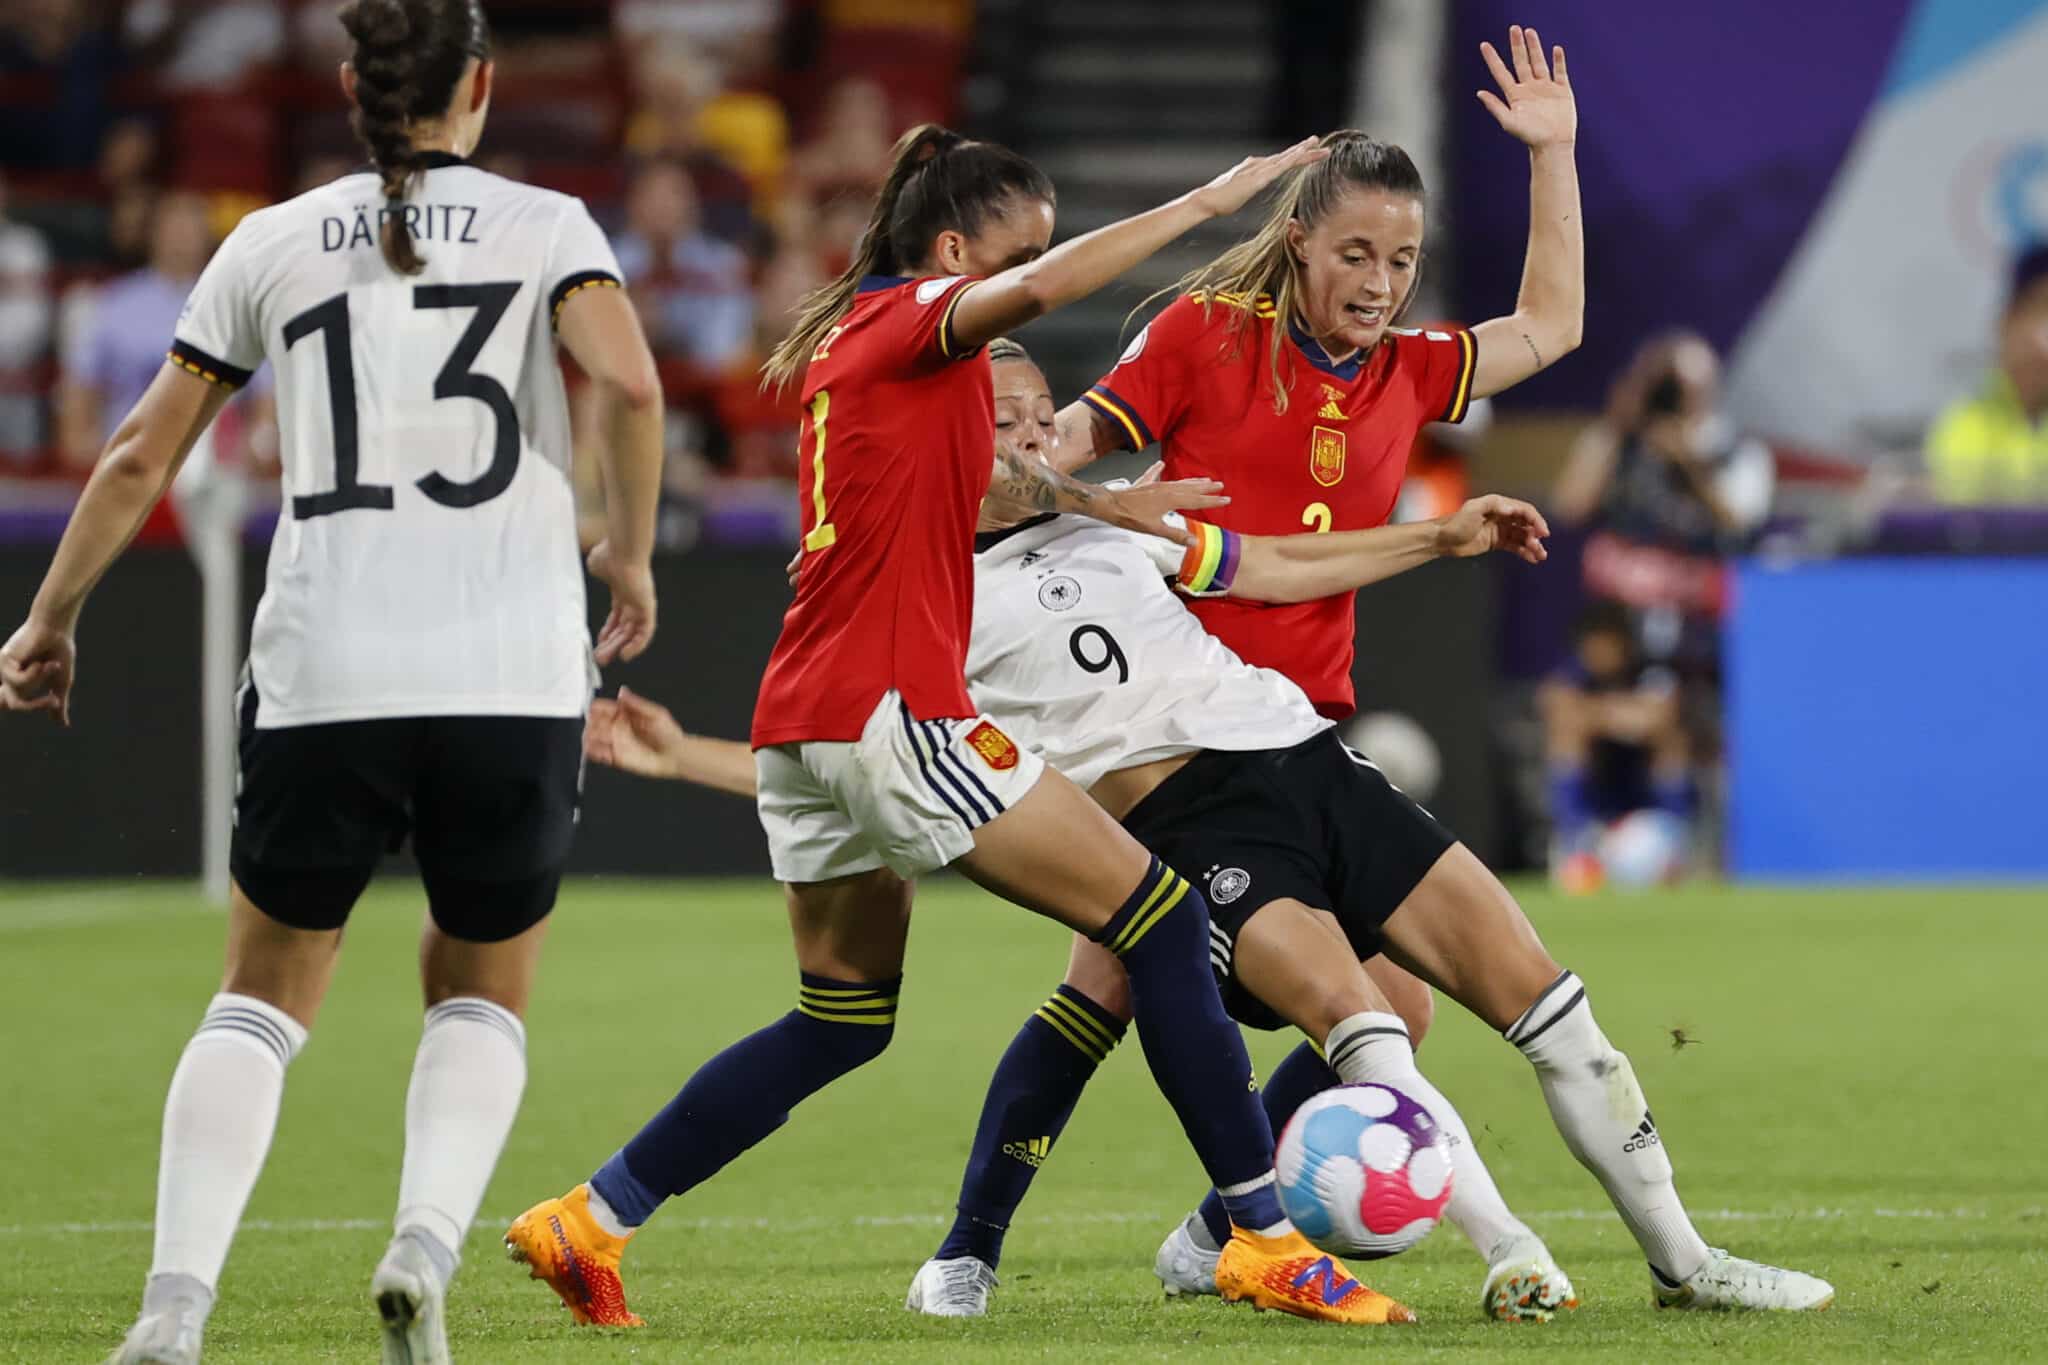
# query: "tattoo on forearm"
1531,344
1037,485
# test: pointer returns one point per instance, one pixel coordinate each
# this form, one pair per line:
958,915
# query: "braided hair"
409,56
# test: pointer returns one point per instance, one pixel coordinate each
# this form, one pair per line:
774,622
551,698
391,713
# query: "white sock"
466,1082
606,1217
1600,1110
218,1122
1375,1047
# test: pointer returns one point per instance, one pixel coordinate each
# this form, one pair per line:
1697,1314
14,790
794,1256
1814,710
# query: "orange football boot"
558,1241
1288,1274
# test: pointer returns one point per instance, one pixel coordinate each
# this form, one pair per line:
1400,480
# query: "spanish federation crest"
1326,456
994,747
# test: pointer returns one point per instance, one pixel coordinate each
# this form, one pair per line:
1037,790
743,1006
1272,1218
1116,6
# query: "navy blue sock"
1673,795
746,1092
1301,1074
1196,1054
1030,1099
1571,803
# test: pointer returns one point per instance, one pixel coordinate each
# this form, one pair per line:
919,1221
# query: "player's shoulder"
1435,334
1199,324
895,292
1215,310
273,222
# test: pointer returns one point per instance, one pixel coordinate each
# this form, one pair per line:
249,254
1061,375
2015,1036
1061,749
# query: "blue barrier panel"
1889,719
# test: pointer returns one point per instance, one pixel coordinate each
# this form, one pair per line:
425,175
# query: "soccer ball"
1643,848
1401,749
1364,1171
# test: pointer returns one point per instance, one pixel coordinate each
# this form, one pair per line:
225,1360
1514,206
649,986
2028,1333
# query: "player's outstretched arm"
638,736
1024,486
601,330
1304,567
1535,104
37,665
1073,270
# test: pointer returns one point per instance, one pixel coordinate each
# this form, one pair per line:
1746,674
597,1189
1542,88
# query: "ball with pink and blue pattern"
1364,1171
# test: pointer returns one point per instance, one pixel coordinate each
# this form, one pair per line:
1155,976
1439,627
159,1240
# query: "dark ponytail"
938,181
409,56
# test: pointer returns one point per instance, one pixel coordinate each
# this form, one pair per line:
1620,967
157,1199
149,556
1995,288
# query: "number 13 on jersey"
821,533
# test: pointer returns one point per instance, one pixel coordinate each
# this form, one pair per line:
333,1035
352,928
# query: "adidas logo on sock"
1645,1136
1032,1153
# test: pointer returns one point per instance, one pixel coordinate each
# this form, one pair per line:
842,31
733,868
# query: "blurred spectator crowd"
729,146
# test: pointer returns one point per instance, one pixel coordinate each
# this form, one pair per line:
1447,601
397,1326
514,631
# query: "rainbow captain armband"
1210,563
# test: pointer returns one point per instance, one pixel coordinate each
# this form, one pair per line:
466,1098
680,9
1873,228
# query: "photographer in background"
1667,489
1993,448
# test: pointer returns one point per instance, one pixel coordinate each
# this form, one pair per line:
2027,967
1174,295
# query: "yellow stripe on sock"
1073,1014
1066,1031
1142,924
1167,877
837,991
838,1017
1091,1025
868,1003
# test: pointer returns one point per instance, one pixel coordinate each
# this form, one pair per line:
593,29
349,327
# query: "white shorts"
907,795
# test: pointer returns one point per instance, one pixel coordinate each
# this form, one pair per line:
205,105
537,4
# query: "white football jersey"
426,560
1083,649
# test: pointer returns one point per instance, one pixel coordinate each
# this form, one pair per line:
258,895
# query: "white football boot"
1730,1282
174,1311
1523,1283
168,1338
1182,1266
954,1288
410,1298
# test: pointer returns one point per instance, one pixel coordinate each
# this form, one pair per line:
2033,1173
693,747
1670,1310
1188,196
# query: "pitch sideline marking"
89,906
294,1225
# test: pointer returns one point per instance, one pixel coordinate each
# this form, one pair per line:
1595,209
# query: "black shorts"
490,803
1317,823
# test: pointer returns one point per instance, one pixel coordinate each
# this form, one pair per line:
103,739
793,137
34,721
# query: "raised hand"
36,670
1492,522
1535,103
1236,187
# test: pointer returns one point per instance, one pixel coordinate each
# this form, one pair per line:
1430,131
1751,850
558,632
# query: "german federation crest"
1058,593
1227,885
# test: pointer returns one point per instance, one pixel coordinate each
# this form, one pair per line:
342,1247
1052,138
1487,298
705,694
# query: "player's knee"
1095,972
1407,995
849,1021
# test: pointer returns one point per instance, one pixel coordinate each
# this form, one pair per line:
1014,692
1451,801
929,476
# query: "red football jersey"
1332,462
897,443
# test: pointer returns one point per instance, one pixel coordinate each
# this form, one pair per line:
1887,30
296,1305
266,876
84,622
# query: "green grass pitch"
1865,1101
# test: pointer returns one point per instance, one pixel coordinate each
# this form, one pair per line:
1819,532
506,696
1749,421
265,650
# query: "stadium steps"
1126,103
